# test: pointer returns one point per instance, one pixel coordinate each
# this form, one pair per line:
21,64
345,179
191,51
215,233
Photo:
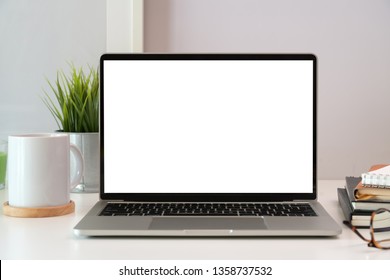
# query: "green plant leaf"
77,98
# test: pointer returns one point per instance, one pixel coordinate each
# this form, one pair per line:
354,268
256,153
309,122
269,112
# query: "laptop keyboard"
208,209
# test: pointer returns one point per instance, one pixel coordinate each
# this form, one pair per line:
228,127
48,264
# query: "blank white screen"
208,126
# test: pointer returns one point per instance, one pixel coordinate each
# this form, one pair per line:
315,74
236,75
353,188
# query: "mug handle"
79,170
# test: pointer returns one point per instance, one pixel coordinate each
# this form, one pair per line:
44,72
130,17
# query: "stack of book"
363,195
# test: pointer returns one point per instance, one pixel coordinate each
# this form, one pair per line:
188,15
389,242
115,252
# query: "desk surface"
53,238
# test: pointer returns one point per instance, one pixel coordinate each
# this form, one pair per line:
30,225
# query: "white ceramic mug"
39,170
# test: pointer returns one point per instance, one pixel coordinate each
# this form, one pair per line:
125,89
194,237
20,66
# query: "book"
378,177
362,204
360,218
348,211
375,184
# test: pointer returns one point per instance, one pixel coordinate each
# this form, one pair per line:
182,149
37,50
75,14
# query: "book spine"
344,203
351,183
376,180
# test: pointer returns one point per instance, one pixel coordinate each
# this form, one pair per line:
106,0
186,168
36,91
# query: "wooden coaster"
38,212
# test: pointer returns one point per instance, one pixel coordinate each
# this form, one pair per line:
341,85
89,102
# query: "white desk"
52,238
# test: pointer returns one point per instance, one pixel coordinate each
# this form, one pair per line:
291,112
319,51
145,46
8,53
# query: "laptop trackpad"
183,223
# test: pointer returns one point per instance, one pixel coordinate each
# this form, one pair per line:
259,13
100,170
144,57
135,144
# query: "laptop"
208,145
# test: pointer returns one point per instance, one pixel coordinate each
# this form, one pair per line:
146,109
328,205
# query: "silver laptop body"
208,128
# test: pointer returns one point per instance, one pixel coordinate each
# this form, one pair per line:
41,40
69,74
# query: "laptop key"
208,209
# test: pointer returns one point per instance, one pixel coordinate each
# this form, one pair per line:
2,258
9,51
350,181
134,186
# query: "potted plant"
75,107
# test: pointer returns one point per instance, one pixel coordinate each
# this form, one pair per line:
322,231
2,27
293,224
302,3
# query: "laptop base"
94,225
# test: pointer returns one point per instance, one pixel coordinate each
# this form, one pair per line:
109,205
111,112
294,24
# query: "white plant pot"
89,145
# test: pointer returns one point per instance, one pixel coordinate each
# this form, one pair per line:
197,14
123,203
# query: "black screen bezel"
207,197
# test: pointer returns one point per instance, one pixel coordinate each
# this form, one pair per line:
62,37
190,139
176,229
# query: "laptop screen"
207,124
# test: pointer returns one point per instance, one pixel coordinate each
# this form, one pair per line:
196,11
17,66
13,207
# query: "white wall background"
37,38
350,37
